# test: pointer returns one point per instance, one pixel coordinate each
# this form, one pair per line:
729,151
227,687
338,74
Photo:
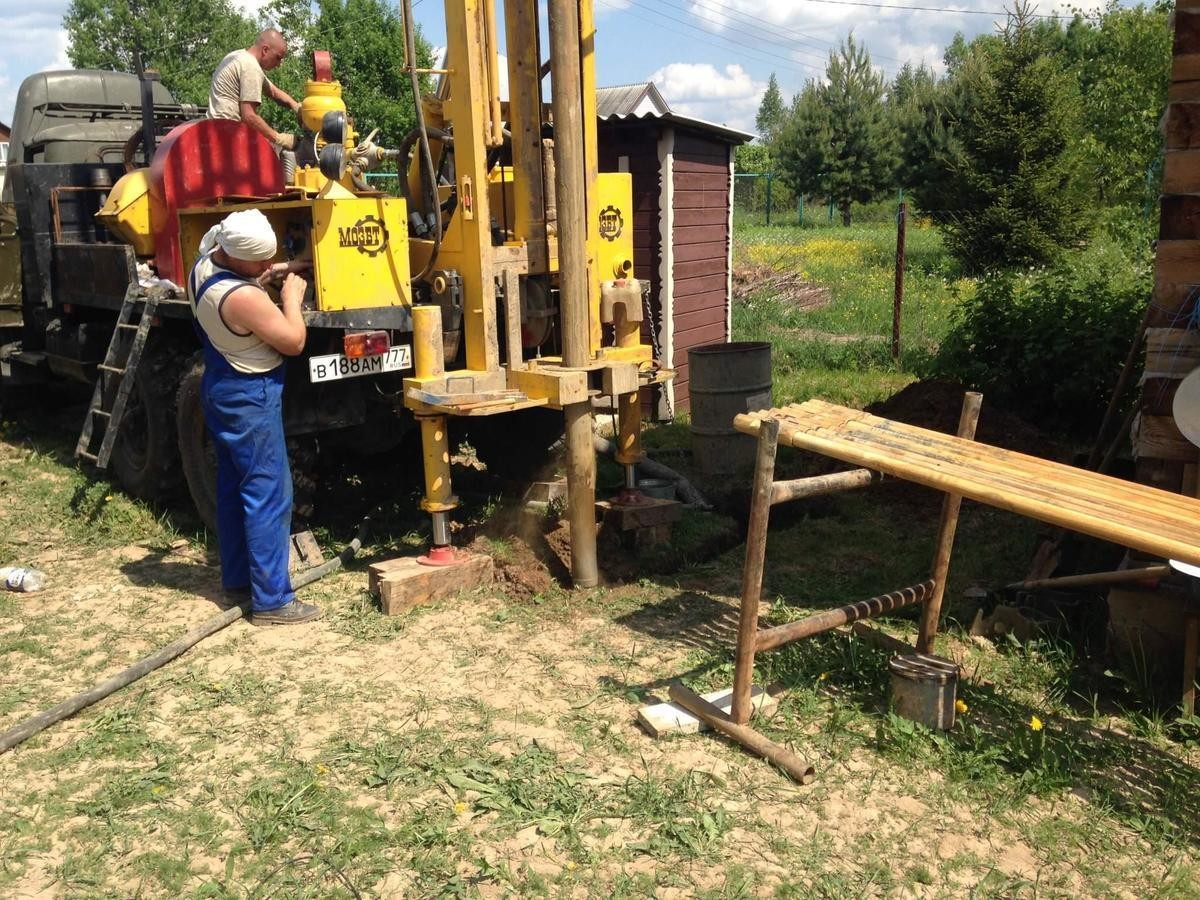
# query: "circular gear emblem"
611,223
367,236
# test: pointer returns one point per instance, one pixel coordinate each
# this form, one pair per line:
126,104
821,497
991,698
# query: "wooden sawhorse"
1144,518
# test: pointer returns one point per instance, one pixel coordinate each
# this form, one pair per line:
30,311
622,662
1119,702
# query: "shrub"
1049,342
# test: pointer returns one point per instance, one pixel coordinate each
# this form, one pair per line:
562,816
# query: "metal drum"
726,380
924,689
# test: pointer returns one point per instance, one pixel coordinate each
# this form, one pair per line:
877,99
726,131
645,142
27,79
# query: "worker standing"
245,337
240,81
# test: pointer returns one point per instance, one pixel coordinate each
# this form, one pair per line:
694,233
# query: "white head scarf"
246,235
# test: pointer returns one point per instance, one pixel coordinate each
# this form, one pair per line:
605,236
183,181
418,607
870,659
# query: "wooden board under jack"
400,584
661,719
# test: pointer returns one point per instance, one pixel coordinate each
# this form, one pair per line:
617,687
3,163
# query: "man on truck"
245,337
240,80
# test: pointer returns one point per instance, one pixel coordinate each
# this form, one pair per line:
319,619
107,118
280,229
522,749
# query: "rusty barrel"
924,688
726,380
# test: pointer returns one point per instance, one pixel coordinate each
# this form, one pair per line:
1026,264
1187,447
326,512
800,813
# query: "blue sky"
710,58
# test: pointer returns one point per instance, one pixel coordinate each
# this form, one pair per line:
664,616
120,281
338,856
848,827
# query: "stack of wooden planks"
1153,521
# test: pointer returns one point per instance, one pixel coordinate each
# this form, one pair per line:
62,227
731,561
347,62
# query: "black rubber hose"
31,726
410,53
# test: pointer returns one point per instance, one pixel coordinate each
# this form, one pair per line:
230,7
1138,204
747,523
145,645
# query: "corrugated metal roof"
621,104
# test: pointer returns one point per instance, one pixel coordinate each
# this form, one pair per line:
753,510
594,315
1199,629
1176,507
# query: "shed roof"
642,102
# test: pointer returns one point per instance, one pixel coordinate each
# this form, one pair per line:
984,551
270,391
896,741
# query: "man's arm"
280,96
249,113
250,309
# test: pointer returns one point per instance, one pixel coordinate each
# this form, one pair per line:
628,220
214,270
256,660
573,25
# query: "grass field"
486,746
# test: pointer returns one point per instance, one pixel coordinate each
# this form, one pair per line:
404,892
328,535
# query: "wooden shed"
682,172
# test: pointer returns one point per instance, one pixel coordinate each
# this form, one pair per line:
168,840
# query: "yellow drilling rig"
498,283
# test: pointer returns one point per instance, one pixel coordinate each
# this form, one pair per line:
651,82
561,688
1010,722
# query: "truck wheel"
515,445
145,457
199,457
196,451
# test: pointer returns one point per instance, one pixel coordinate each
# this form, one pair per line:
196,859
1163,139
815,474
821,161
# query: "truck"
490,298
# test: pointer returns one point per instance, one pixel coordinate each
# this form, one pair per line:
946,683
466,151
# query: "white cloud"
728,96
34,41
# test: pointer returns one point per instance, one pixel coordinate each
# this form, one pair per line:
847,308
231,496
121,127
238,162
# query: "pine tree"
1018,184
839,140
770,112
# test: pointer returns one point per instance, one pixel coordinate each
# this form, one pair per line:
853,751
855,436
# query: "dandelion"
108,499
158,789
460,807
824,676
1035,724
572,865
322,769
960,706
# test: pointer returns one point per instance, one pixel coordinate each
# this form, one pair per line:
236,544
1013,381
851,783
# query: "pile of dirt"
936,405
790,287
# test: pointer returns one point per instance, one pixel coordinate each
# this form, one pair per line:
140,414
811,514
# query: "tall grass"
841,349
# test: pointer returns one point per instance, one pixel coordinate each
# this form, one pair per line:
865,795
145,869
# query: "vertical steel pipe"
570,188
951,503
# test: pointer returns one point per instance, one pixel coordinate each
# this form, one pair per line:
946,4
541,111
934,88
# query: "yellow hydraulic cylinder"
629,436
429,358
435,446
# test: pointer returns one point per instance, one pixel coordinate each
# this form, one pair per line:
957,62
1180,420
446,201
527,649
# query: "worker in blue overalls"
245,337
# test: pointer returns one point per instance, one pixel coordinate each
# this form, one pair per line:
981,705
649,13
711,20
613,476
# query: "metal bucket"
726,380
658,488
924,689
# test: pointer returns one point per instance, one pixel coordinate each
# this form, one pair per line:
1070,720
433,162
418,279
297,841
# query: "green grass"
842,350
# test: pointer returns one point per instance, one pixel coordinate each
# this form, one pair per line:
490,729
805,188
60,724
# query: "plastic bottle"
22,578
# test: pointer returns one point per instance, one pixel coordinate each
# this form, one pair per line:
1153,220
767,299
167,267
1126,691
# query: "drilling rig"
498,284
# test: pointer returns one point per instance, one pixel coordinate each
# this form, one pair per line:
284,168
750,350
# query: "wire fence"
765,198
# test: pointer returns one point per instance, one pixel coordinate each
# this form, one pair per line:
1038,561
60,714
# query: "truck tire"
196,452
199,458
145,457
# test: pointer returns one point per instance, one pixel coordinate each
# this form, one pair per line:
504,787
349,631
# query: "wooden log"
1118,576
968,419
801,488
1171,352
800,771
1173,302
770,638
1178,262
1191,648
752,569
1182,132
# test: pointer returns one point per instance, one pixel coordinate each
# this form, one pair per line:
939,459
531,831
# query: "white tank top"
245,351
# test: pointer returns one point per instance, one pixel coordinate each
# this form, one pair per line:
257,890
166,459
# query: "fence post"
830,210
898,298
800,209
770,179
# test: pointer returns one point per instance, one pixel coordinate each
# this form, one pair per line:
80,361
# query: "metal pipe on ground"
1118,576
18,734
570,168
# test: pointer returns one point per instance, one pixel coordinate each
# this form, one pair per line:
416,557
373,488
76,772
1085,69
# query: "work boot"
231,597
289,614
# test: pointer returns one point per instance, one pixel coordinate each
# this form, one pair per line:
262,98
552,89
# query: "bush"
1049,342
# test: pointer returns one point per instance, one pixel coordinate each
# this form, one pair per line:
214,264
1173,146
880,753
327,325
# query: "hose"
43,720
653,468
410,53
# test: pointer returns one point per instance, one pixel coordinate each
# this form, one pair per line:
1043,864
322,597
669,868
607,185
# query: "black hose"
31,726
410,52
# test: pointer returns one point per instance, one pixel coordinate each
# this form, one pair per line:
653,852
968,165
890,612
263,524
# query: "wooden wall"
1165,458
701,237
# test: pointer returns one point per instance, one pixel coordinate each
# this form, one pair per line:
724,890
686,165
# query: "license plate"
335,366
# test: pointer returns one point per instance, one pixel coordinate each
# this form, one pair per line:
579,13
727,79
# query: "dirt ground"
487,746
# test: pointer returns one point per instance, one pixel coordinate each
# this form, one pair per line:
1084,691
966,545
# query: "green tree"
839,140
770,112
1017,182
183,41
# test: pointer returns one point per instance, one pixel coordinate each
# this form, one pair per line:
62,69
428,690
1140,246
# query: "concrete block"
661,719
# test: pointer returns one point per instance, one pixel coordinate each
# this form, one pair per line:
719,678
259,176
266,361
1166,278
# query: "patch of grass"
675,813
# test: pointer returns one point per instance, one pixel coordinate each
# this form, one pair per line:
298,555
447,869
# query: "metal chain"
656,348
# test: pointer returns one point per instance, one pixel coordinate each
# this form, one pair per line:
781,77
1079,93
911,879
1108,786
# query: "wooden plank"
1171,352
1173,302
1183,91
695,302
714,237
1158,395
1181,172
1180,217
404,583
701,318
704,199
1187,33
700,181
1185,67
1178,262
1158,437
714,215
701,284
661,719
690,144
708,165
1182,127
699,337
700,267
1136,522
691,252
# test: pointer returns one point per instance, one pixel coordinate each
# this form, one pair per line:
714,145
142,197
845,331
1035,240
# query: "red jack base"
630,497
440,556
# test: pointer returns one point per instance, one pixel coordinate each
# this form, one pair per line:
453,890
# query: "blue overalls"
244,414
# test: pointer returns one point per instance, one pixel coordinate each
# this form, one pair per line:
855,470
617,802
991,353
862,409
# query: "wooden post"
801,771
951,503
752,571
898,296
1191,648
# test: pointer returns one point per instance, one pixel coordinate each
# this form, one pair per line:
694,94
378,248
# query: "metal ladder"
120,363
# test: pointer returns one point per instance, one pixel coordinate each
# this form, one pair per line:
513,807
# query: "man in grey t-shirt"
240,81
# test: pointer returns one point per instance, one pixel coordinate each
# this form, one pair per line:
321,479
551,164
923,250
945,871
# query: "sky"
711,59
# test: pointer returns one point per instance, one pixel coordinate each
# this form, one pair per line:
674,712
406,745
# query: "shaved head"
269,48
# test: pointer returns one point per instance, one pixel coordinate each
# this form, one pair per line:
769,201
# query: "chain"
656,347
